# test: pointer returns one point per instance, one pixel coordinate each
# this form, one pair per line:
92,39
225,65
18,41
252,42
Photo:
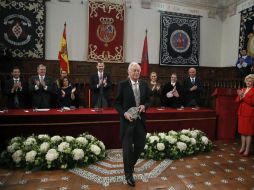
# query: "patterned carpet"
110,170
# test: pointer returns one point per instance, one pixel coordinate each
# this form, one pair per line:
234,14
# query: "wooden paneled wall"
81,71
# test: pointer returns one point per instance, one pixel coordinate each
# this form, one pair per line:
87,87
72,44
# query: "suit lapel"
141,89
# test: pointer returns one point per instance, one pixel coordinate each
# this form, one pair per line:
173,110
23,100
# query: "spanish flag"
63,53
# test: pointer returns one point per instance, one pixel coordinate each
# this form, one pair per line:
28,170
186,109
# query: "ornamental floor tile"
220,169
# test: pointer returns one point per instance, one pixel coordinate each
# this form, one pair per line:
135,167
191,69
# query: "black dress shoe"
130,180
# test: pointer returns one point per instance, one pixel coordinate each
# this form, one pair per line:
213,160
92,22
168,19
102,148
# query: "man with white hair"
133,94
41,86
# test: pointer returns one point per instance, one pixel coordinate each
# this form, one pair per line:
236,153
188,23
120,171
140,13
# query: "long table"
103,124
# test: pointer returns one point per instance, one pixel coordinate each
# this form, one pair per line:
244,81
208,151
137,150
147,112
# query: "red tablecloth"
104,124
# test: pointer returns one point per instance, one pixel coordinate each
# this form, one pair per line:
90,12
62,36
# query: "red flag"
145,60
63,53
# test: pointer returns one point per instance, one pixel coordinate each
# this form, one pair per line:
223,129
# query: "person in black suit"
172,93
41,87
15,89
132,93
192,87
100,85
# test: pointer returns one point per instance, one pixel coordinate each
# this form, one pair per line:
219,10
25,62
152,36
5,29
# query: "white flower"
95,149
82,140
185,131
91,137
29,141
204,140
146,146
173,133
30,156
194,134
153,138
63,146
11,148
44,147
78,154
102,145
56,138
15,139
181,146
16,156
193,141
148,135
184,138
162,135
51,155
160,146
171,139
43,136
197,131
69,138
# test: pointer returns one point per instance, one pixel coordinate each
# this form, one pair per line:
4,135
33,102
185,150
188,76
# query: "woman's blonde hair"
251,77
152,73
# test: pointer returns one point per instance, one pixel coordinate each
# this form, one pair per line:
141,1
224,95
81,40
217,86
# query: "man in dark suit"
15,89
192,87
41,87
132,93
100,85
244,64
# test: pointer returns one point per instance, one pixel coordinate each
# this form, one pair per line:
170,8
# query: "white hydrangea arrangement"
175,145
45,152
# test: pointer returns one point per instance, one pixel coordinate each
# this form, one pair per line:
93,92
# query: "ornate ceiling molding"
215,8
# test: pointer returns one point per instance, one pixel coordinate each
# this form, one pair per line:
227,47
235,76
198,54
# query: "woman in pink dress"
245,99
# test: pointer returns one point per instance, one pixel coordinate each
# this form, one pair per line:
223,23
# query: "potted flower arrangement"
175,145
44,152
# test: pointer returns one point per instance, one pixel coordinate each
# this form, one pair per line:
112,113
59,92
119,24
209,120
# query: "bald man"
192,87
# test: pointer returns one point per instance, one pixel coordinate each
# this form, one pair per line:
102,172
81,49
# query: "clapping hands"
156,87
103,82
73,90
173,93
38,83
194,87
240,93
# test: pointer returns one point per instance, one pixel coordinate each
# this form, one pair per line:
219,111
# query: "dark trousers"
133,144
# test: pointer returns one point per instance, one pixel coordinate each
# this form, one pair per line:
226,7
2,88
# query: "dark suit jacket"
41,97
125,99
94,80
20,93
190,96
173,101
